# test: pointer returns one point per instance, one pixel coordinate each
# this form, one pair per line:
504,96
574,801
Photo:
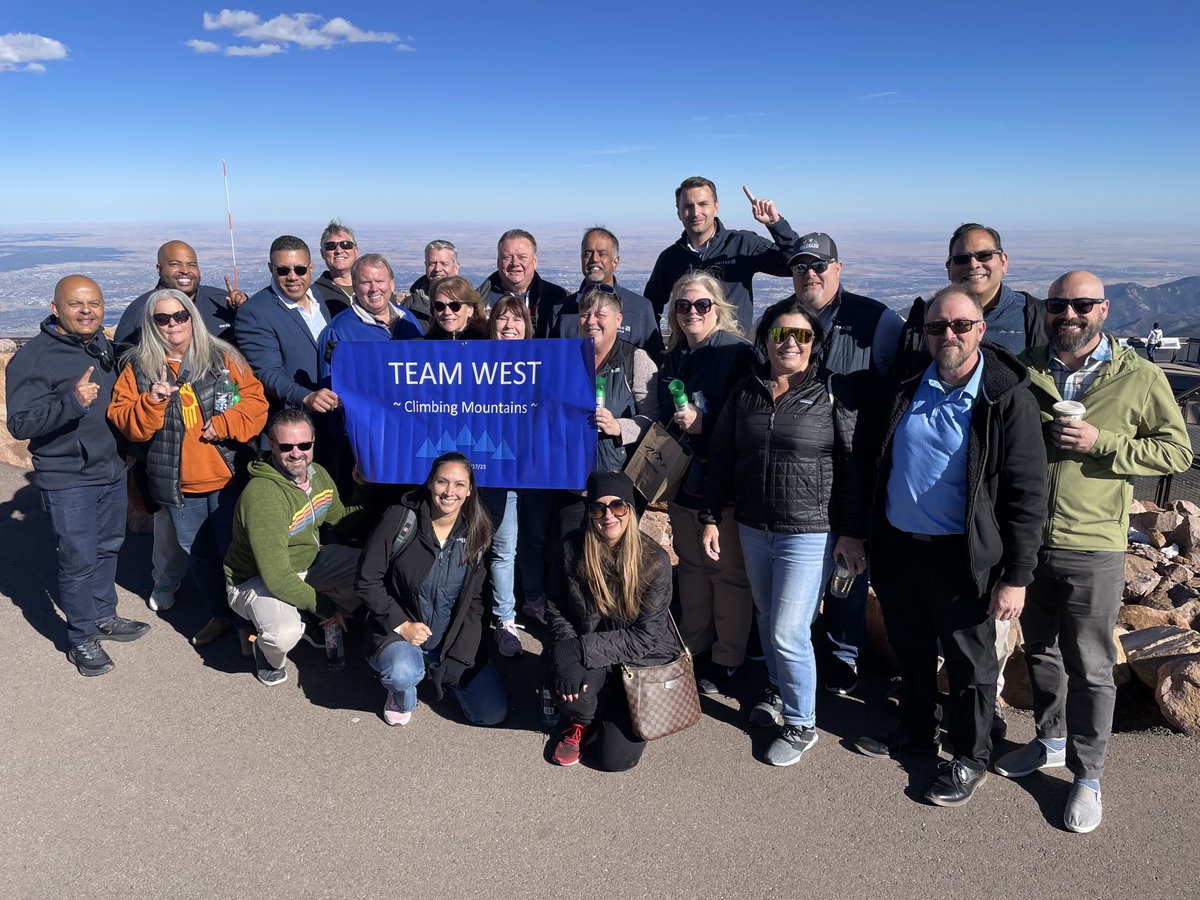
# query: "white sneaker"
162,598
508,639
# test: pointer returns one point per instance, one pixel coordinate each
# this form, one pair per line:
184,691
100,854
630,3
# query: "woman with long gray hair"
191,400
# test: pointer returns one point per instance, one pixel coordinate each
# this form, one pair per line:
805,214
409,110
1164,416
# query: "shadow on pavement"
29,562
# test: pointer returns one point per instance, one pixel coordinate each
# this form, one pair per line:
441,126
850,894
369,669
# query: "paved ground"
178,775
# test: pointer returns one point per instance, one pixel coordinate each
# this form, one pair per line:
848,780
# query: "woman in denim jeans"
782,451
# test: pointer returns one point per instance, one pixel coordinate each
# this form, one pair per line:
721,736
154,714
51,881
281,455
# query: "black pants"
604,707
926,593
333,572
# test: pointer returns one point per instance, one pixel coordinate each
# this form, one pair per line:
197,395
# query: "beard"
952,356
1073,342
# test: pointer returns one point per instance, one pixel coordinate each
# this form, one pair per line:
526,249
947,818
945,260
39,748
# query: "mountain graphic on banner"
427,451
502,452
464,437
484,444
446,444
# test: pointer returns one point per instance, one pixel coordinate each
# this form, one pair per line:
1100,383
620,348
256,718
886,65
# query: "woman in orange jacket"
191,400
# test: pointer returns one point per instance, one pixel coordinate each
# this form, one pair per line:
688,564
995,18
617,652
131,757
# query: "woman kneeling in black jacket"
607,604
427,600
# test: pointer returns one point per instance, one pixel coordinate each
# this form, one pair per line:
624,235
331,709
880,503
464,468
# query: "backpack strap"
404,534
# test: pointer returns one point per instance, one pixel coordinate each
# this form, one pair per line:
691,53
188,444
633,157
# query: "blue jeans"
401,666
534,509
204,529
90,524
502,558
846,618
787,573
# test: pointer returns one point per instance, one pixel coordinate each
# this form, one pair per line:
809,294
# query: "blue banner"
518,409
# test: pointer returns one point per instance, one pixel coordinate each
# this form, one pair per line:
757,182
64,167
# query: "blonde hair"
725,311
620,568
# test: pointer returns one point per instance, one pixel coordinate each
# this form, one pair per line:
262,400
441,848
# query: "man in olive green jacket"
1126,424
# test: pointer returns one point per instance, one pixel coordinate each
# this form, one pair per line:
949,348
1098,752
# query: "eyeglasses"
303,445
779,335
601,287
961,259
333,245
597,510
702,306
453,306
1081,305
102,354
285,271
178,317
959,326
819,266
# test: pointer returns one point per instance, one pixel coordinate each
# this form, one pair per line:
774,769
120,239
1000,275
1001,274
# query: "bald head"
78,306
1079,283
178,268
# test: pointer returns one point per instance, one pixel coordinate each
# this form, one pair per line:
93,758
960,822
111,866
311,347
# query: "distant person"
339,250
1130,427
426,597
1153,341
458,312
609,598
856,353
441,259
57,391
734,257
277,566
516,273
179,270
956,518
599,255
168,400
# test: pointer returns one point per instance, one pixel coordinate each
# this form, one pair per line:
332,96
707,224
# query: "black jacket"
391,588
210,301
789,465
571,612
1006,469
543,296
325,288
417,302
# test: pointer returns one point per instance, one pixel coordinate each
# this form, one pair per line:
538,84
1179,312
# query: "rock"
1159,598
1176,573
1178,694
1134,616
12,451
1181,594
1144,552
1157,539
1149,648
1017,691
1122,674
1186,508
1142,584
877,637
1187,615
657,525
1166,521
1187,536
1137,506
8,345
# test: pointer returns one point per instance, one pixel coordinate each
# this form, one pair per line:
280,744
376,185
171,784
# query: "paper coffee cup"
1069,409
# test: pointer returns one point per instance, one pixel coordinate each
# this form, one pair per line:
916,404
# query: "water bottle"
335,647
600,392
227,393
678,394
841,580
549,710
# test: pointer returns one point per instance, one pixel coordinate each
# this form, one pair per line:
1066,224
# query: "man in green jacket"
276,567
1126,424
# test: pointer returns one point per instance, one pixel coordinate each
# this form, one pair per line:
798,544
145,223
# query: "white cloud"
307,31
881,95
203,46
617,151
20,52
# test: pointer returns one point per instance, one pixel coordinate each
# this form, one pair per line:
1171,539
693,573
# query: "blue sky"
1029,114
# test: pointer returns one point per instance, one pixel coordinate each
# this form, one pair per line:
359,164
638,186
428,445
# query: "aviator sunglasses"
780,334
303,445
1081,305
596,509
819,266
333,245
959,326
442,306
961,259
178,317
285,271
701,306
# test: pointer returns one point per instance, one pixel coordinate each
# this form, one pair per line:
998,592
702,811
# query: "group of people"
932,456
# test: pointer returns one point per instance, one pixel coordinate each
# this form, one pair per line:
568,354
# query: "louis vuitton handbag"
662,699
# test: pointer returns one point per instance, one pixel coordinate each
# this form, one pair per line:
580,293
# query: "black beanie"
609,484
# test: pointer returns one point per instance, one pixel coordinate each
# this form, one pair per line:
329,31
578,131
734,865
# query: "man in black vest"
516,273
859,347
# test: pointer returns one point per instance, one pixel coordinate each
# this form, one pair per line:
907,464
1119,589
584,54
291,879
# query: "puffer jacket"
788,466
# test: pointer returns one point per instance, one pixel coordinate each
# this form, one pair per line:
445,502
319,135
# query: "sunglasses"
178,317
285,271
779,335
453,306
961,259
596,509
958,326
601,287
819,266
102,354
702,306
303,445
333,245
1081,305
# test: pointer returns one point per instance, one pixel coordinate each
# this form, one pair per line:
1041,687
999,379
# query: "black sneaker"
768,712
715,678
264,672
790,745
114,628
90,659
841,677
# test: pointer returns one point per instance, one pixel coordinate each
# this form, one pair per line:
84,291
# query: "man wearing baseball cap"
858,350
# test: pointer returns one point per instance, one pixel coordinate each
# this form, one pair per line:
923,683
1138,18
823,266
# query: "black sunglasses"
453,306
178,317
938,327
819,266
961,259
601,287
102,354
303,445
285,271
702,306
1081,305
333,245
780,334
596,509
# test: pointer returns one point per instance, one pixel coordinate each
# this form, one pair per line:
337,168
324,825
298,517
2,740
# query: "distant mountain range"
1133,308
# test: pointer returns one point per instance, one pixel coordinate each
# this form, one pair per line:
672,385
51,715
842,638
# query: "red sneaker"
568,750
